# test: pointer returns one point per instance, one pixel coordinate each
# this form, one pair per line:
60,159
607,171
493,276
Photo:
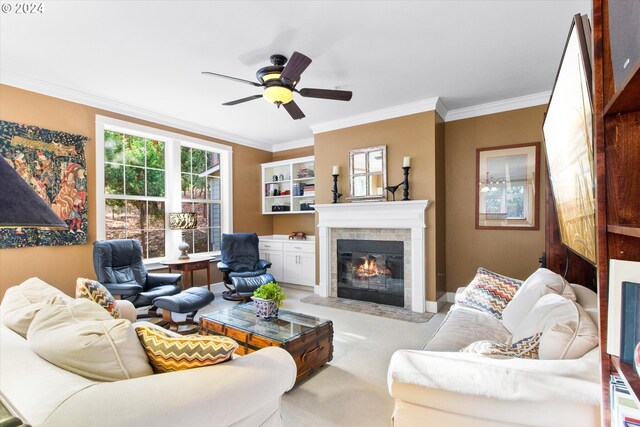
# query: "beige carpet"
351,390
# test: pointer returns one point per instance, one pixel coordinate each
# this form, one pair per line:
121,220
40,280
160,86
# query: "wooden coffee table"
308,339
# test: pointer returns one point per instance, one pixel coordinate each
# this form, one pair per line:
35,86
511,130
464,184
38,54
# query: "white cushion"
21,303
540,283
567,330
569,341
83,338
465,325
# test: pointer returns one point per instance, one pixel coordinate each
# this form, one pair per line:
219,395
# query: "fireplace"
371,270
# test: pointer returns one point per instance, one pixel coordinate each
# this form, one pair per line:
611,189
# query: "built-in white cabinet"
288,186
294,261
272,252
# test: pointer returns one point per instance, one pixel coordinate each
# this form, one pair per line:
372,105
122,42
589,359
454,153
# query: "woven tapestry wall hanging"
54,165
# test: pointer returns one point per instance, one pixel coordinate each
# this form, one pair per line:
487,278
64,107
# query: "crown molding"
499,106
289,145
21,81
383,114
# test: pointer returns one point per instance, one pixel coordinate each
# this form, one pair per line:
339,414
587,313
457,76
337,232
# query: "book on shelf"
630,329
624,407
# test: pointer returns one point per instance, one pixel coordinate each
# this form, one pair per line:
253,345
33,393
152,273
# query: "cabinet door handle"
297,247
267,246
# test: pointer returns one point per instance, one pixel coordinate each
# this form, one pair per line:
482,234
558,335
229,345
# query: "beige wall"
414,136
61,265
510,252
437,150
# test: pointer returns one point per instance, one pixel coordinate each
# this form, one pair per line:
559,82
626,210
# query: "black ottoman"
246,285
186,302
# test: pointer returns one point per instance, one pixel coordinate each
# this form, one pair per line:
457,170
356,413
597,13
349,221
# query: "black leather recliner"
241,261
119,267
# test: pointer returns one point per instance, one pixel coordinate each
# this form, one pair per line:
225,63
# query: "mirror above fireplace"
368,174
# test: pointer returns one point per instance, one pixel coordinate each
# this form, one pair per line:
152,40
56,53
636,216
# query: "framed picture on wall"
507,187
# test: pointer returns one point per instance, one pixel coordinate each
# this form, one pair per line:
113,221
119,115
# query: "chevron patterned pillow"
90,289
174,353
526,348
489,292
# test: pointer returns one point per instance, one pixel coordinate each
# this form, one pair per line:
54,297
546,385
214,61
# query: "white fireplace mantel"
408,214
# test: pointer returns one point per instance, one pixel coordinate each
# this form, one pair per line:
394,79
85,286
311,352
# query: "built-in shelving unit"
617,161
288,186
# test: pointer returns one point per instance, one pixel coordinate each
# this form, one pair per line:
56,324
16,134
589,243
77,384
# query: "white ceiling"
145,57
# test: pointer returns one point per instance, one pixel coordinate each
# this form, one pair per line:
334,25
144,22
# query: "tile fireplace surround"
375,221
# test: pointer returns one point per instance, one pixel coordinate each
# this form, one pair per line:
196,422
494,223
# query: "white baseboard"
435,306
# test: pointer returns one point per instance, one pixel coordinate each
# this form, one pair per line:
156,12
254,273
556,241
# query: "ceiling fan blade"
338,95
241,100
209,73
294,111
294,68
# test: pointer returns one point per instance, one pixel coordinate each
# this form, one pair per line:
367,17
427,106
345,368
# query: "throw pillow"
526,348
567,330
96,292
489,292
81,337
168,352
540,283
21,303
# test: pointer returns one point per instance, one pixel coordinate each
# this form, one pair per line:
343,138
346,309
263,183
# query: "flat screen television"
568,141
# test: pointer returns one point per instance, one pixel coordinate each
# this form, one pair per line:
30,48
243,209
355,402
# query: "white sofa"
441,386
245,391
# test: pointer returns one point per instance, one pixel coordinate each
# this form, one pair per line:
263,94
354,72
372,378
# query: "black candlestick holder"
405,192
336,195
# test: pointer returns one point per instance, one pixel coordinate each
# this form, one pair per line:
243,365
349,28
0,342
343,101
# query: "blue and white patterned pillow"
489,292
526,348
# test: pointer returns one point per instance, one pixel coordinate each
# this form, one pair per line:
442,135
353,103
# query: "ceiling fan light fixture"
272,76
278,94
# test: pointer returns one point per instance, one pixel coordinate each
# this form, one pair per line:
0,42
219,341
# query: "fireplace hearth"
371,270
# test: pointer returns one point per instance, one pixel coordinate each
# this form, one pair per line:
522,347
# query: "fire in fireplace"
371,270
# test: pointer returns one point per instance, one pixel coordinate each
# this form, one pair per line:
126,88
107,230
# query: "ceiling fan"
279,82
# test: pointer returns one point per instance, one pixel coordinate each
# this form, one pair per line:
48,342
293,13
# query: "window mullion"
172,190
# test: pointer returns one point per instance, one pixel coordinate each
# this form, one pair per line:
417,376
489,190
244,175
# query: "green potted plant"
268,299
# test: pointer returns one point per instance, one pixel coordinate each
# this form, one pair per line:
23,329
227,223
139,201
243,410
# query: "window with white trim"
143,174
200,190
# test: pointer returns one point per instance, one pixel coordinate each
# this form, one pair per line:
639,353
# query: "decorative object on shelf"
405,184
368,174
52,164
508,187
280,208
268,299
336,195
406,165
636,359
392,189
305,173
183,221
298,235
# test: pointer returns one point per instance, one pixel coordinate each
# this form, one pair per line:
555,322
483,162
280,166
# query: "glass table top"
286,327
